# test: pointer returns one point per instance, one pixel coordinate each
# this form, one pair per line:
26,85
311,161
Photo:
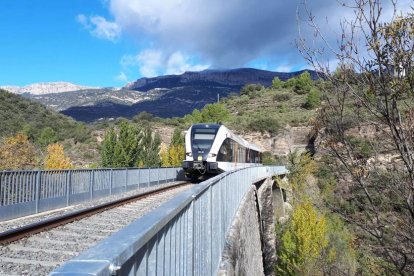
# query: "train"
211,149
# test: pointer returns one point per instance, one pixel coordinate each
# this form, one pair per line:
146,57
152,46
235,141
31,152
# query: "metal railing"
184,236
29,192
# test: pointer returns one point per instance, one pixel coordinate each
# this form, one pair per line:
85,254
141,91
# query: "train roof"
236,138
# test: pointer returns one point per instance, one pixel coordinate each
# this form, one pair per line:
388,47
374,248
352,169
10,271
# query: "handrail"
184,236
29,192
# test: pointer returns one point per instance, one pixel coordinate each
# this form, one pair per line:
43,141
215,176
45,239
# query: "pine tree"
108,148
177,138
127,145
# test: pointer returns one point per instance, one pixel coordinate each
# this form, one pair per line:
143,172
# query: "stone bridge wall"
250,245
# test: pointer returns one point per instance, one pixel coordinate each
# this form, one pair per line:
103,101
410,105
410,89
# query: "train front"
198,142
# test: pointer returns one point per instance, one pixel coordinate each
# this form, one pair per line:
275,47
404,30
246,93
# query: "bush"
313,100
143,116
277,83
281,97
251,89
303,84
270,125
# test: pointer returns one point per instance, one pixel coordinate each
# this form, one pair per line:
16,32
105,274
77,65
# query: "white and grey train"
212,149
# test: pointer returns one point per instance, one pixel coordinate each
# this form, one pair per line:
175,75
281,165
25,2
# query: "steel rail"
12,235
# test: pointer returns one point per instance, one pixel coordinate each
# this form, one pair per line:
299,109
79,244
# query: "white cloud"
122,77
99,27
153,62
283,68
177,63
224,34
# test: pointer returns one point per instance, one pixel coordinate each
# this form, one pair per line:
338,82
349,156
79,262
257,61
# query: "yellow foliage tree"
56,158
177,155
173,156
165,158
303,241
16,152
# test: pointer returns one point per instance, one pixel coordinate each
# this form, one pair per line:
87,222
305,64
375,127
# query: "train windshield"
202,139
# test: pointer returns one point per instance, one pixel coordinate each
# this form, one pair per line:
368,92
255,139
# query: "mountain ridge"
180,94
232,78
42,88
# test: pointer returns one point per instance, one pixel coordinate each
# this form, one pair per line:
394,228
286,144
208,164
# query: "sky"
111,42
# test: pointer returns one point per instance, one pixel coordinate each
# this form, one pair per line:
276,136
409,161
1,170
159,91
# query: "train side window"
225,153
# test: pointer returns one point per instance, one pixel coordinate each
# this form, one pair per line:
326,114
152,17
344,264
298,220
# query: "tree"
302,244
56,159
108,149
211,113
149,148
313,100
17,153
47,136
277,83
214,113
133,146
175,153
165,157
126,149
177,137
303,83
374,95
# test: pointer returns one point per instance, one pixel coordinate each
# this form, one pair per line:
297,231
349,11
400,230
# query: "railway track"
40,247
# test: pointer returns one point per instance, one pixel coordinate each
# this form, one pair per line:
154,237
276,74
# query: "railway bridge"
222,226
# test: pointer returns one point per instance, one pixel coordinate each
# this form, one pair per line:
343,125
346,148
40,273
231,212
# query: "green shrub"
303,84
143,116
265,124
250,89
313,100
284,97
277,83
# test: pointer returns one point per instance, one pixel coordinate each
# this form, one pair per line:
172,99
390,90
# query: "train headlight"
212,155
189,154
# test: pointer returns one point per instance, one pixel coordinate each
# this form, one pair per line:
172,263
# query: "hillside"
18,114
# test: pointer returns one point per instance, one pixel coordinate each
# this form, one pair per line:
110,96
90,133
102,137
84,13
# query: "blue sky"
112,42
42,41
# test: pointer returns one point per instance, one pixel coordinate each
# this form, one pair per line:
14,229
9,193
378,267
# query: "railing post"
193,236
139,177
126,179
149,176
38,179
91,182
110,182
158,172
68,184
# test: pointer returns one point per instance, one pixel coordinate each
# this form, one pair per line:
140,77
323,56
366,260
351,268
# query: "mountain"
92,97
45,88
234,78
178,95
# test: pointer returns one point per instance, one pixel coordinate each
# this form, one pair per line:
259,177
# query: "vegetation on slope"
41,124
40,127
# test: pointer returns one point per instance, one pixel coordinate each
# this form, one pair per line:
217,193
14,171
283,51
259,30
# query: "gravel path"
43,252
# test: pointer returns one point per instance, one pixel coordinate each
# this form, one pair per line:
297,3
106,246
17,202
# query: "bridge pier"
250,247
